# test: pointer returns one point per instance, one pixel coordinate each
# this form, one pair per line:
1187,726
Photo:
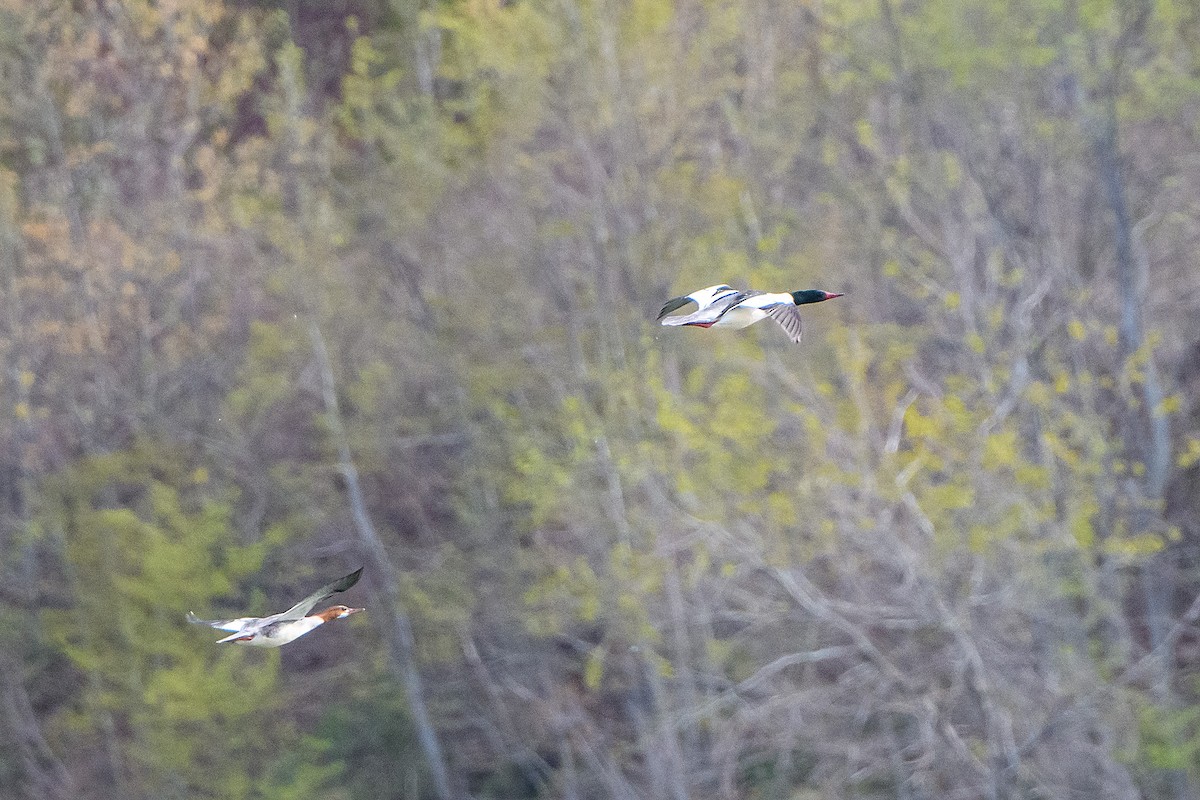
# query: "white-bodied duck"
734,309
279,629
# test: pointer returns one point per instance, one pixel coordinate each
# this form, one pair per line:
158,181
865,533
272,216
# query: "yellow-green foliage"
441,602
268,378
719,436
563,596
1170,737
500,52
145,543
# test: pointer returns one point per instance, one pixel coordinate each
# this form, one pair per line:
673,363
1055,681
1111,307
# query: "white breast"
282,633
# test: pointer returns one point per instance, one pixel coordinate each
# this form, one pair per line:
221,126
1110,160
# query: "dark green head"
813,296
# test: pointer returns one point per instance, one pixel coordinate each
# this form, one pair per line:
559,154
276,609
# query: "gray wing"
788,317
302,608
239,624
711,312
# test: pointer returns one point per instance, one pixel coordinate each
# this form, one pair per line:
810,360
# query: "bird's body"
279,629
736,309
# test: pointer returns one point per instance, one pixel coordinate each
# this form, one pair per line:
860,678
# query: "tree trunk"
403,646
1147,435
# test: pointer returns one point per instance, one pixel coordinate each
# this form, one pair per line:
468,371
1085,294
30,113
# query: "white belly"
280,634
264,641
740,317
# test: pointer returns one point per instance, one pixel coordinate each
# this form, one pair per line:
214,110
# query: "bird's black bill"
673,304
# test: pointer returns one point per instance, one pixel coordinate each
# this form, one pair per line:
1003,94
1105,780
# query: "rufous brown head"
337,612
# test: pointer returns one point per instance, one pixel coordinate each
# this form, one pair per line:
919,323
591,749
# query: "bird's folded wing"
788,317
302,608
223,624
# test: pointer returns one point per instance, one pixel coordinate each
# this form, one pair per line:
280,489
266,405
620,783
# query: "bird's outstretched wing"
710,313
788,317
302,608
700,298
674,304
222,624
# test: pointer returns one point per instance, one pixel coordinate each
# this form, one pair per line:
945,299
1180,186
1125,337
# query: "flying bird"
279,629
734,309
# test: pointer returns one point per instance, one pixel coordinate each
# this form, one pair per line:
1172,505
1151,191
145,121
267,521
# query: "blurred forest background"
293,286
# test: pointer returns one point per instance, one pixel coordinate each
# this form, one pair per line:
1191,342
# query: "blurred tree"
314,278
143,540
